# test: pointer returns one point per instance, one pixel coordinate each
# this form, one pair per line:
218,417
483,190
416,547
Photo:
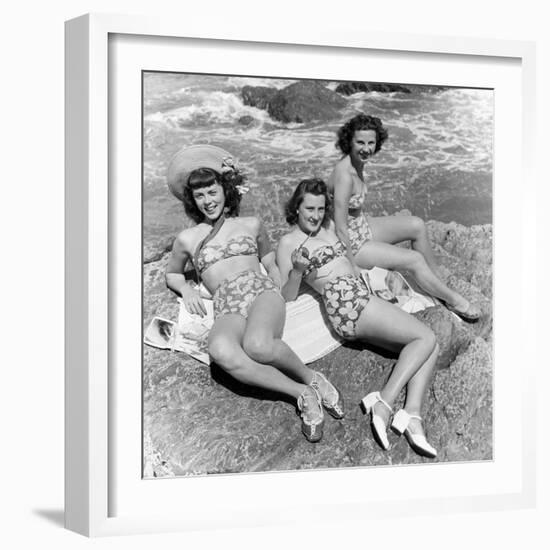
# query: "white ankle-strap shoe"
418,442
378,425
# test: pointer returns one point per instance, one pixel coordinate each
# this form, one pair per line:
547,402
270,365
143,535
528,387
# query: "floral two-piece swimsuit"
236,293
345,296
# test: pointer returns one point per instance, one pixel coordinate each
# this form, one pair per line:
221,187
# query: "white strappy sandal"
378,425
418,442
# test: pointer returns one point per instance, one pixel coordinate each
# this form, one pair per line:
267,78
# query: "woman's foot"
380,413
311,412
411,426
331,398
464,309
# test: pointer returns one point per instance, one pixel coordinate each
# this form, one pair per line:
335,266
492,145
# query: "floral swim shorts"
345,298
236,293
359,232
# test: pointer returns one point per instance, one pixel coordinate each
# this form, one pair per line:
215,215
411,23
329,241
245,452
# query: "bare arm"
343,189
292,264
267,255
176,281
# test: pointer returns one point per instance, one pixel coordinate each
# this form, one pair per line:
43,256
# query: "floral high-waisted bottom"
345,297
359,231
236,293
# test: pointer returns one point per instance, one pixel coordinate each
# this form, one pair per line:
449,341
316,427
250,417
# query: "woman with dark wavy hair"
370,240
312,253
227,251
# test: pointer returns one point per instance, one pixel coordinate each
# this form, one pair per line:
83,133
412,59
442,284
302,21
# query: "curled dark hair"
205,177
360,122
314,186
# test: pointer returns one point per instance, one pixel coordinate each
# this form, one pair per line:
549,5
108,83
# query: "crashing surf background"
437,161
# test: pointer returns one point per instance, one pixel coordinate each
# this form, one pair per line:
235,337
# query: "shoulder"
288,241
341,173
187,238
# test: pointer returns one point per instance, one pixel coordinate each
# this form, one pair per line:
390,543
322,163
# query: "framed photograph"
159,437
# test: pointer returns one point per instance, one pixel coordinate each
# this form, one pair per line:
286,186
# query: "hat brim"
191,158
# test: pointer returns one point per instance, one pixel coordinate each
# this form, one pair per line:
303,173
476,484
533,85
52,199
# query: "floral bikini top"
323,255
244,245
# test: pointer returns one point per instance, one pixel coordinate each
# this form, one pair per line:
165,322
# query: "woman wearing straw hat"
226,251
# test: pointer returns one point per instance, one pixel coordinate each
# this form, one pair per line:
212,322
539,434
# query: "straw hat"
196,156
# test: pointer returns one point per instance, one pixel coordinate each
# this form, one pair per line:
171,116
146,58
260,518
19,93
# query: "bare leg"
225,348
388,326
396,229
418,384
262,337
388,256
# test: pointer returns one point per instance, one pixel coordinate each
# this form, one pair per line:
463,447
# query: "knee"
430,340
223,354
259,348
415,261
418,227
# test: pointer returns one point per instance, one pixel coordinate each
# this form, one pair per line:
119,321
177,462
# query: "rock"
257,96
464,396
246,120
452,335
305,101
154,252
199,420
350,88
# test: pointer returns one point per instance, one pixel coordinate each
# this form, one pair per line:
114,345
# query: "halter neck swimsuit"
236,293
243,245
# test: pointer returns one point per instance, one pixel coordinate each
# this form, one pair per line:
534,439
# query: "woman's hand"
300,260
192,300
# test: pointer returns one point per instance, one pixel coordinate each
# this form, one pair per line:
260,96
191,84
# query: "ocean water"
437,161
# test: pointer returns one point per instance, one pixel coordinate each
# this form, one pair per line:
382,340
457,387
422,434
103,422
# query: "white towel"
306,330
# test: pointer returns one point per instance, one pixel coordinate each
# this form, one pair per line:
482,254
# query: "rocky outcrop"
305,101
257,96
350,88
199,420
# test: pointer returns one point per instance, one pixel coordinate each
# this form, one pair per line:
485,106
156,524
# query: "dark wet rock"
257,96
350,88
305,101
199,420
246,120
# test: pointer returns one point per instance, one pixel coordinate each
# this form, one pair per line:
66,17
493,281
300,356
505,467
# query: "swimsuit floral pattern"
237,293
345,298
359,231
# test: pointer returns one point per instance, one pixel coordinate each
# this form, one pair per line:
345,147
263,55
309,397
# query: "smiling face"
210,201
363,145
311,213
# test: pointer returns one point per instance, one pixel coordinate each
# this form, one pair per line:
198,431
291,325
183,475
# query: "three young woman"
227,252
